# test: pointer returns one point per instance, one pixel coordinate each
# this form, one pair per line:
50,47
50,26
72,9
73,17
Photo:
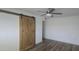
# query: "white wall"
9,26
65,29
38,30
38,22
9,32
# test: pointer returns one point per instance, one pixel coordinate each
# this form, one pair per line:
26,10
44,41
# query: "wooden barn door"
27,31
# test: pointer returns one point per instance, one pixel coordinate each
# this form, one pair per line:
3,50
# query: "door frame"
20,31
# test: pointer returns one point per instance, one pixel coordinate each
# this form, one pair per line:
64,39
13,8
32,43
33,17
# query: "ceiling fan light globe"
48,14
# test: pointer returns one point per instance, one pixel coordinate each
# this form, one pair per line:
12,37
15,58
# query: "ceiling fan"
50,12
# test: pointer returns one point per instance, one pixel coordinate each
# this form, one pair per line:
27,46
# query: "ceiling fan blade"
43,14
51,10
42,11
57,13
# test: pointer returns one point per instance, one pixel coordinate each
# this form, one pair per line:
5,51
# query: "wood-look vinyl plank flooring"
51,45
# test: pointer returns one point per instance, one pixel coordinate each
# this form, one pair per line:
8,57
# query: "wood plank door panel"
27,32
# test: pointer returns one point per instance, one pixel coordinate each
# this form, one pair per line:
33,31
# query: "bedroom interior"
39,29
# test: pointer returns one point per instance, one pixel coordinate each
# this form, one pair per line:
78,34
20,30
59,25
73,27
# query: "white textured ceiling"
65,11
